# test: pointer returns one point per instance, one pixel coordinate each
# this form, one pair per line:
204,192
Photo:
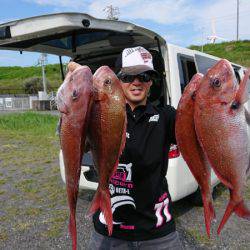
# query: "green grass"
30,169
14,77
237,52
2,182
29,122
198,236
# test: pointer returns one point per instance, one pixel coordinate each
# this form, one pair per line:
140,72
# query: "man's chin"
137,101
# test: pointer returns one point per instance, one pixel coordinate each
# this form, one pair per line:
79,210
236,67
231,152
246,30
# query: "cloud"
159,11
193,15
223,13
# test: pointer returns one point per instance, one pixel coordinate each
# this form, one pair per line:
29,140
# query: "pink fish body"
74,99
106,135
190,148
221,127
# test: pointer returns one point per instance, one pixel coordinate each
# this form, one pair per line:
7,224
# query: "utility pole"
112,12
237,31
202,42
42,62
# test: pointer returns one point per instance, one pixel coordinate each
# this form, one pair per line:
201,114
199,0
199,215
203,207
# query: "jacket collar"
148,108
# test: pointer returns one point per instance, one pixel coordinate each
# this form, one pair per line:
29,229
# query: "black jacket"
140,199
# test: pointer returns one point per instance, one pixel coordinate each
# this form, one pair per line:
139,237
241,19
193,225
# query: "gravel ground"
235,235
34,212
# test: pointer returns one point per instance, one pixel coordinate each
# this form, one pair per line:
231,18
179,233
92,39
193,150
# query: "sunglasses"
142,77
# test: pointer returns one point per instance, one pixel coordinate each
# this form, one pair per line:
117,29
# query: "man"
140,200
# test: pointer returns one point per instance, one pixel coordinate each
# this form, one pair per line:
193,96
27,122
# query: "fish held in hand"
74,99
221,127
106,136
190,148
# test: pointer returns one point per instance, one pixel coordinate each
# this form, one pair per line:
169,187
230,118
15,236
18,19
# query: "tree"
33,85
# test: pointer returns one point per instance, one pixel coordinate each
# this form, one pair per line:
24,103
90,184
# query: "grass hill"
237,52
12,79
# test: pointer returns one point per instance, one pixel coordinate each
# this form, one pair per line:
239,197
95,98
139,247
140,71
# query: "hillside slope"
237,52
12,79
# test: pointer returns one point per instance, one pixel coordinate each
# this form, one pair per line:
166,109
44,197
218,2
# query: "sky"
180,22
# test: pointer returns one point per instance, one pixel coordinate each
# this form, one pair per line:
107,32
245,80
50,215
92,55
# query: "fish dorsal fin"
242,93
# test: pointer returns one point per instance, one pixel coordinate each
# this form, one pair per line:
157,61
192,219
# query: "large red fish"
74,99
190,148
221,127
106,135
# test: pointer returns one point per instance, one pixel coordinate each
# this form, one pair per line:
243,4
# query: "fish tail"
102,200
72,230
209,213
72,200
240,209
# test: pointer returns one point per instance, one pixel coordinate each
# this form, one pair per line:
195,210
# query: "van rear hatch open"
74,35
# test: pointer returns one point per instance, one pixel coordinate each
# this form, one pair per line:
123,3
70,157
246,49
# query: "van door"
74,35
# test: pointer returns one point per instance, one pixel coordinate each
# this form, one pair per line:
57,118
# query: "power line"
237,26
231,16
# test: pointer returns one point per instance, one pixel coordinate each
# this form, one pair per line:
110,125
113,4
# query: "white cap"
136,60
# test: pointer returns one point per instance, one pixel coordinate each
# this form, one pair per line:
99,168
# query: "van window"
204,63
237,75
187,69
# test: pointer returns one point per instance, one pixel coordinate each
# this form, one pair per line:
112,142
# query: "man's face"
136,92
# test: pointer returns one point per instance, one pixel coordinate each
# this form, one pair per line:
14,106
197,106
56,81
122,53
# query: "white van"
95,42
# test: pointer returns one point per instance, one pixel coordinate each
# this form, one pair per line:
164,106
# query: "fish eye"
216,82
107,82
74,94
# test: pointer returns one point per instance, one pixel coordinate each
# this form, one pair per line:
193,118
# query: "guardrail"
14,103
26,102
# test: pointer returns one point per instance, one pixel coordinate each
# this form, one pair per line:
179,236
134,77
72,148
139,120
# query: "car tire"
196,198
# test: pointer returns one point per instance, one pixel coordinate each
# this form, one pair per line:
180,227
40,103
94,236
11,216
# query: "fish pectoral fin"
242,93
247,115
248,169
100,96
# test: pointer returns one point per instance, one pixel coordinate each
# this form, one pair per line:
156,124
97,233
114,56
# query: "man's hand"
72,66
